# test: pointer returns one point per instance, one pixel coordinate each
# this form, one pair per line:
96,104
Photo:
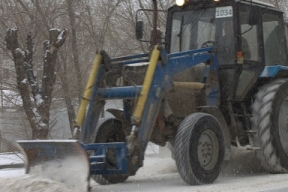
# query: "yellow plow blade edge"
64,161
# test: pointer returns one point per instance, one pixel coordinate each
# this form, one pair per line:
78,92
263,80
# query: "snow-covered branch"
38,112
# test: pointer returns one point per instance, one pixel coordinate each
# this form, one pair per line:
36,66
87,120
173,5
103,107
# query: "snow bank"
28,183
71,171
10,158
70,174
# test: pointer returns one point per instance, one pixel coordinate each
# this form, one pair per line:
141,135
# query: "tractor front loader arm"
159,80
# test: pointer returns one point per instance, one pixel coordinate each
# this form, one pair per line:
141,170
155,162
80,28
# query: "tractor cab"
247,36
232,26
194,27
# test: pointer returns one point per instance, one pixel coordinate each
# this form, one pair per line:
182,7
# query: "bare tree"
38,112
94,25
74,47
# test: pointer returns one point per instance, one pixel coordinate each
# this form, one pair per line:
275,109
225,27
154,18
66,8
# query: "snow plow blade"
63,161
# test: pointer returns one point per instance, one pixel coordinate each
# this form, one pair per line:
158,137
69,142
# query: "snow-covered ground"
242,173
8,160
159,173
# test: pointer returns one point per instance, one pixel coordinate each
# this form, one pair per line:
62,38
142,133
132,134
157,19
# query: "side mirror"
254,15
139,30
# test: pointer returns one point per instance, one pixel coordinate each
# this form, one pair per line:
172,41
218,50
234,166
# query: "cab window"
274,40
249,37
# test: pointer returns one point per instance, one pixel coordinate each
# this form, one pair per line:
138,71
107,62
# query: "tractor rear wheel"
109,130
270,121
199,149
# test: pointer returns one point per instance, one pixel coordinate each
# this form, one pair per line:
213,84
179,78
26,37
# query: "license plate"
224,12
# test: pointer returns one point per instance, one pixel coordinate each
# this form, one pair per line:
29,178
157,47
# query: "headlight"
180,2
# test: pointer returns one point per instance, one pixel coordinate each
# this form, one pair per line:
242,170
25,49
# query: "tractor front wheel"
199,149
109,130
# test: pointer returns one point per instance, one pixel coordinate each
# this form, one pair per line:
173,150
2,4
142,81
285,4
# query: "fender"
272,71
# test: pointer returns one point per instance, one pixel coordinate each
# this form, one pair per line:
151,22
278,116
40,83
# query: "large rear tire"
270,120
199,149
109,130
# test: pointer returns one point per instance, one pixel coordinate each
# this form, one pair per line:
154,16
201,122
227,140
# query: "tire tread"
262,110
182,149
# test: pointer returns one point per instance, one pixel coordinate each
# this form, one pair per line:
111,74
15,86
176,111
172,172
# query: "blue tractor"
217,79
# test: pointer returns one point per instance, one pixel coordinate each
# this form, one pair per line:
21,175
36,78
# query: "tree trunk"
38,112
18,57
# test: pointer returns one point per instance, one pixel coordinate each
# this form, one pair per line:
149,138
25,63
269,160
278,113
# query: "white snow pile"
28,183
71,171
71,175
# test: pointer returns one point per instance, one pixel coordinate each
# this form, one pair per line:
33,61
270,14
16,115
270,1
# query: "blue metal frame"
128,92
272,71
99,162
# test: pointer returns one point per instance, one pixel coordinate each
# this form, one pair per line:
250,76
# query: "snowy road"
241,174
159,174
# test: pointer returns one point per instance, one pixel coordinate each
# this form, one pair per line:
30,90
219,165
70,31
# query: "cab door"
250,43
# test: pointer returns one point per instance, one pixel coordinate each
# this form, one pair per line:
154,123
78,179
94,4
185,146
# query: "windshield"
204,27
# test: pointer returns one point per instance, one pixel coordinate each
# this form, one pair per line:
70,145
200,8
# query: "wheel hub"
208,150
